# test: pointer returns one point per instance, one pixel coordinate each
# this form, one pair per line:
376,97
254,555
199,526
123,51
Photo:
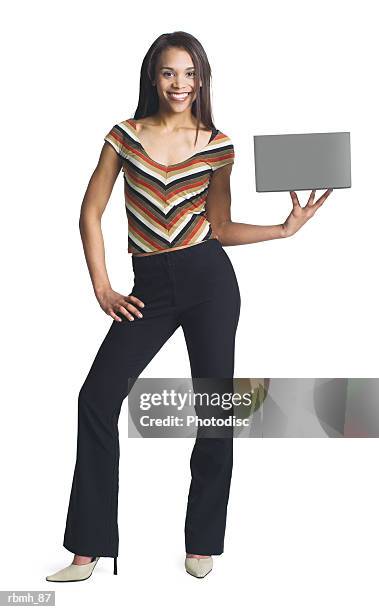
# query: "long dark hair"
148,101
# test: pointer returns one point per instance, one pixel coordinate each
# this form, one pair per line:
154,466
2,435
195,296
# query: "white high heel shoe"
75,573
198,567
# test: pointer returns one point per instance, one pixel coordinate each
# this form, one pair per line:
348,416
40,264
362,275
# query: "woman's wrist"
101,289
283,233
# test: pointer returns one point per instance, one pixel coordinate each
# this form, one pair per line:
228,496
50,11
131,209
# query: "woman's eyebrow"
170,68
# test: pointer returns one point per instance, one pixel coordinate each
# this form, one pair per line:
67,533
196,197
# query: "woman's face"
175,74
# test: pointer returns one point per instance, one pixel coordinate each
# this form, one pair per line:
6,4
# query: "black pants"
195,288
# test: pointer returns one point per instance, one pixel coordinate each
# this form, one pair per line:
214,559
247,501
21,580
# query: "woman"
177,193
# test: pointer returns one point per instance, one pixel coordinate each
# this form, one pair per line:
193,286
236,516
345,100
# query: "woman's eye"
168,73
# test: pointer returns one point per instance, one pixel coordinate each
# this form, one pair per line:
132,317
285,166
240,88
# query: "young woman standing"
176,166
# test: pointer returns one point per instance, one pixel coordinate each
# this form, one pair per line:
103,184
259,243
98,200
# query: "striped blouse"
165,205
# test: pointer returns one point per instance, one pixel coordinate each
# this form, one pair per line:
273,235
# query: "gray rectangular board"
296,162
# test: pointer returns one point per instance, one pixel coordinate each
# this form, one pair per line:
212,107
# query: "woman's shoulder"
223,138
120,136
221,151
121,125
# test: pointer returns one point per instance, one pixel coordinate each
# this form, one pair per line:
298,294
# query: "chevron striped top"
165,205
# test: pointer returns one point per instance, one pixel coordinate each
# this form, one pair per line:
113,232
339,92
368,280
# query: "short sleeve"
223,152
116,138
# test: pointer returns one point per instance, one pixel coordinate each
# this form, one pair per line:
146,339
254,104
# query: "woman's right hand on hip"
113,302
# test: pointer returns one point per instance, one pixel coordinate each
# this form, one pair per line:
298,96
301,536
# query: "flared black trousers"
193,288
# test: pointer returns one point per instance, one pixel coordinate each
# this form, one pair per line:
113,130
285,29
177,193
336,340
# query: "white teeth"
178,96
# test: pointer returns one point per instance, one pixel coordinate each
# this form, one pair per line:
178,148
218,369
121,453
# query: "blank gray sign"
295,162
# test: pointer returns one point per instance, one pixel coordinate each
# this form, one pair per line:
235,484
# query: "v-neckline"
131,122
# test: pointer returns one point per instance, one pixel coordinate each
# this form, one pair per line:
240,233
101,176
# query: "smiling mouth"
178,96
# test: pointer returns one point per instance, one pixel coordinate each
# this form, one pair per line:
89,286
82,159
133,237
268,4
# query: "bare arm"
93,206
230,233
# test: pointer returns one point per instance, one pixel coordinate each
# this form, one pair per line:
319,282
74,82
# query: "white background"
302,515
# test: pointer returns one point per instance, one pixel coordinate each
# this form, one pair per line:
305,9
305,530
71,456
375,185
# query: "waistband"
192,252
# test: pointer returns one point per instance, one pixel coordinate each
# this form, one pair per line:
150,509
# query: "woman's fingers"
116,304
315,206
127,308
311,197
323,197
114,316
125,312
134,299
294,198
311,204
129,301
